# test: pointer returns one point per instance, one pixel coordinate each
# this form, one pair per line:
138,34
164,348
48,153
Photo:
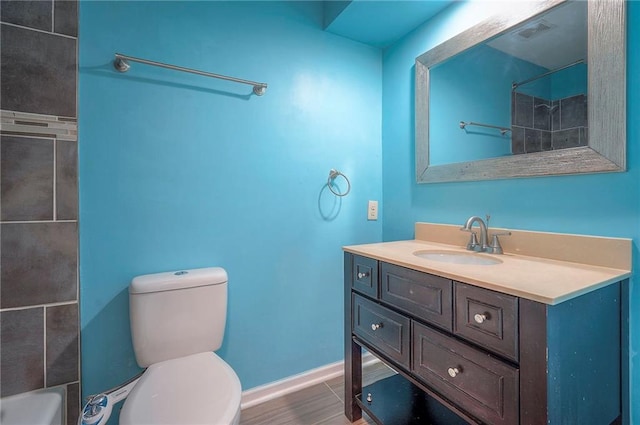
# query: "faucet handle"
473,244
507,233
495,247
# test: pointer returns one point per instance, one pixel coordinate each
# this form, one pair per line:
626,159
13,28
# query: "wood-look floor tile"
371,373
306,407
341,419
321,404
337,386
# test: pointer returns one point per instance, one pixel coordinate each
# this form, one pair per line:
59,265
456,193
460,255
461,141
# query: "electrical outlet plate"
372,210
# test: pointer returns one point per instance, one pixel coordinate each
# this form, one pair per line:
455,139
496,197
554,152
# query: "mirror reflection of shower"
549,110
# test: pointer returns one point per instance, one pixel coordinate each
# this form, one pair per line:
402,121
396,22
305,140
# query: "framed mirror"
537,92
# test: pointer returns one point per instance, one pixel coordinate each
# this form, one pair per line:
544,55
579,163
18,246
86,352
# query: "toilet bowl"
177,321
197,389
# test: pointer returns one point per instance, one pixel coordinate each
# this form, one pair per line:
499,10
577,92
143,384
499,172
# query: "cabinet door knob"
480,318
376,326
453,371
362,275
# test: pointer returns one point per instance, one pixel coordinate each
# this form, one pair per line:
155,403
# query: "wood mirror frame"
606,63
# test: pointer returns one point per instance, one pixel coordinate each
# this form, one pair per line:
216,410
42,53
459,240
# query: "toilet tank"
176,314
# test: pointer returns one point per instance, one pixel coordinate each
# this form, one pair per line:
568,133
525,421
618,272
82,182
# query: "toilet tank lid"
180,279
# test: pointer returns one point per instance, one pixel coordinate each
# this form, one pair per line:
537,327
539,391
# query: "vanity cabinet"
469,355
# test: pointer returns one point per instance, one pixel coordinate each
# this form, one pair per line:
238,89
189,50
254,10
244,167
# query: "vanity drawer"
488,318
386,330
364,275
480,384
423,295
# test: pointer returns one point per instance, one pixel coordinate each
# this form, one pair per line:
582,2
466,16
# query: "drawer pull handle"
362,275
453,371
376,326
480,318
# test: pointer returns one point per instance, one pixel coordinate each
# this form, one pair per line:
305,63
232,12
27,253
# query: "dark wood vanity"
469,355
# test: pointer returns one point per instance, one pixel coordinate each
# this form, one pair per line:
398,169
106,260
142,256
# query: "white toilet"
177,321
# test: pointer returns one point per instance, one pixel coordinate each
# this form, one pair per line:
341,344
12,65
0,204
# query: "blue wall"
180,171
599,204
559,85
569,82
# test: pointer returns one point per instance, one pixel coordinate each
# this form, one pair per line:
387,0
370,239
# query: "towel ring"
333,173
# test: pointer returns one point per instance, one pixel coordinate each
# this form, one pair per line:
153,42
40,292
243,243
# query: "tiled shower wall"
39,345
542,125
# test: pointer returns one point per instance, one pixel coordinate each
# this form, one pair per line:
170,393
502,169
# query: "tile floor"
321,404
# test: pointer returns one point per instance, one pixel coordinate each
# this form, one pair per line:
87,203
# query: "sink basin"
456,257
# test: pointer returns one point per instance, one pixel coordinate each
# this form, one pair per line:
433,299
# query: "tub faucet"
473,244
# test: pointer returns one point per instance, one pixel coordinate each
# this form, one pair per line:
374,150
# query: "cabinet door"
480,384
423,295
364,275
386,330
487,318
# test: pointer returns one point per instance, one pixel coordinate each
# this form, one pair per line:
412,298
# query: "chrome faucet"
483,246
473,244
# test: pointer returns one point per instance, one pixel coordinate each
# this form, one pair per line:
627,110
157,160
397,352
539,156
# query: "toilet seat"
198,389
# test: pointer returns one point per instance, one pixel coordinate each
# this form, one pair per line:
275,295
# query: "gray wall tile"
566,138
26,179
65,17
33,14
66,180
517,140
524,110
73,403
38,263
532,140
62,344
549,125
541,114
573,112
545,141
555,115
21,350
584,136
38,72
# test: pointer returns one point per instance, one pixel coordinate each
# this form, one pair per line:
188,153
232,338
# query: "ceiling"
379,23
562,41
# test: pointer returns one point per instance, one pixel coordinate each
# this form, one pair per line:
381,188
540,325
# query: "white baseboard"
264,393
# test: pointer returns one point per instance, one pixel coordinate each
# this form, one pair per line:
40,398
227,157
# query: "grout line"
41,31
551,131
55,173
38,221
334,393
30,136
39,306
44,333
